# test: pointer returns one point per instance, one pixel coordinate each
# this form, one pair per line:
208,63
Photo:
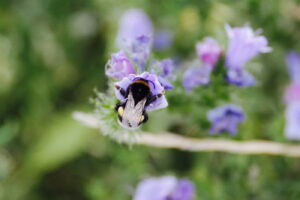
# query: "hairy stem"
170,140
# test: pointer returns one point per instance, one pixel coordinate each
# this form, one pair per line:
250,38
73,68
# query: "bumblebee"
132,112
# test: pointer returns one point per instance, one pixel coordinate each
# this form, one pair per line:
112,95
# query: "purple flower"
184,190
119,66
196,76
154,84
164,188
292,93
292,126
244,44
293,63
139,50
164,69
240,77
209,51
292,98
225,118
133,24
162,40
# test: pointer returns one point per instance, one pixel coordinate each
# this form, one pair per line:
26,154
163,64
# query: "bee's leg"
153,98
118,105
145,117
122,91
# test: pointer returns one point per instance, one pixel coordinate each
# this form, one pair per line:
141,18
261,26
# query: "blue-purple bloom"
139,50
133,24
293,63
154,84
225,118
240,78
209,51
119,66
292,98
164,188
196,76
244,44
292,126
162,40
164,69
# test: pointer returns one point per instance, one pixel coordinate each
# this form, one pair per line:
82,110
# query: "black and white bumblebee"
138,95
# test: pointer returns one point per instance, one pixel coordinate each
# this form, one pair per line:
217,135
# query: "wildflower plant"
200,91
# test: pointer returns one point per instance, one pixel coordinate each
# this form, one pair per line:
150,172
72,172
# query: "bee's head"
132,115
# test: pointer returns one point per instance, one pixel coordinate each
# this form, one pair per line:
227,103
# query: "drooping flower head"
155,89
119,66
164,188
209,51
225,118
244,44
195,76
293,63
133,24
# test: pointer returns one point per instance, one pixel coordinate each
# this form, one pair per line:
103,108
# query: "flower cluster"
292,97
244,44
135,40
141,81
164,188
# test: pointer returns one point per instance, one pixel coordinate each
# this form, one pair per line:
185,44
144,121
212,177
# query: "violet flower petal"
162,40
244,44
293,63
184,190
196,76
209,51
292,115
133,24
155,188
225,118
240,78
119,66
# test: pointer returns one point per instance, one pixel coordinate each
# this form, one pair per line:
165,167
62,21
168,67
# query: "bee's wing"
133,113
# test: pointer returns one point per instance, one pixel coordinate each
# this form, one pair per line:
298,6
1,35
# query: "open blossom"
133,24
225,118
209,51
196,76
244,44
292,98
164,188
119,66
155,88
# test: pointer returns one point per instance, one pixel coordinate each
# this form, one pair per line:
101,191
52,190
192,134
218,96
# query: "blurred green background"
52,56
